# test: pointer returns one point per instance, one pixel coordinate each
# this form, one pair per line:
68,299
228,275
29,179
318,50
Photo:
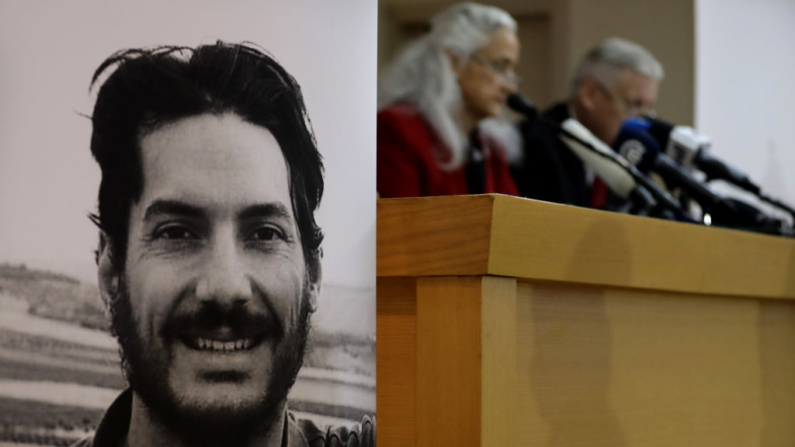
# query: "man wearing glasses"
616,80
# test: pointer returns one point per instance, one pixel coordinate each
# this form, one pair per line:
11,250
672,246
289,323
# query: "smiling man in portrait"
209,253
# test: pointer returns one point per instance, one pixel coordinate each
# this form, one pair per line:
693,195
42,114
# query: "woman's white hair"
606,61
422,76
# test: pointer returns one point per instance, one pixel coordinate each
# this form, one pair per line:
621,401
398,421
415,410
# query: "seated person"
615,80
432,98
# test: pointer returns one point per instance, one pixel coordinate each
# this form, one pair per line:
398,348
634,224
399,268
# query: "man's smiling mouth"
216,330
221,346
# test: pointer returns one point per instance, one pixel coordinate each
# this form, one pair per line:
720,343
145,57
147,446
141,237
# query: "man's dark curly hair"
148,88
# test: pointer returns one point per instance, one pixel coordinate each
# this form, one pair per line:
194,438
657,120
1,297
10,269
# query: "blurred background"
729,66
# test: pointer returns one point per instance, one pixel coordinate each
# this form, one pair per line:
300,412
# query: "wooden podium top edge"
527,239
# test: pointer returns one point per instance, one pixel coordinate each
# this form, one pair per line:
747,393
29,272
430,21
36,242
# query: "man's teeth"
222,346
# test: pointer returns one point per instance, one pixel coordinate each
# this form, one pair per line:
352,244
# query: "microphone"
638,145
716,169
615,177
619,175
523,105
612,171
681,143
749,217
693,148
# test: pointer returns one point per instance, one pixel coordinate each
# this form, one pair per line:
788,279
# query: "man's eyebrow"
275,209
172,207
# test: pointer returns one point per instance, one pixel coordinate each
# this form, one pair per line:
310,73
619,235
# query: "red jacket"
407,166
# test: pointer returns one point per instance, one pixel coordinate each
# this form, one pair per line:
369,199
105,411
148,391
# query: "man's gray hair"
606,61
422,76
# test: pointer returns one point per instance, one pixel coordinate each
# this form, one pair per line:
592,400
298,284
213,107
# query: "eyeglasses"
506,74
630,108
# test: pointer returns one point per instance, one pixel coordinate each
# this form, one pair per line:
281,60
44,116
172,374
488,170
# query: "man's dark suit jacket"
551,171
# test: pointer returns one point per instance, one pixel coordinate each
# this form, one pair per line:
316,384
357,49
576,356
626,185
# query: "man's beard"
149,379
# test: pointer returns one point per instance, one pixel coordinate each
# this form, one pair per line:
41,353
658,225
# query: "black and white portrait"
187,243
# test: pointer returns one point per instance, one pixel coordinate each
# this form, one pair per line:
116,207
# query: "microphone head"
685,144
637,145
587,147
660,130
520,104
681,143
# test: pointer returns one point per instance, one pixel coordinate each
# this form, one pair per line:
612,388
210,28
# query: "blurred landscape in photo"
59,365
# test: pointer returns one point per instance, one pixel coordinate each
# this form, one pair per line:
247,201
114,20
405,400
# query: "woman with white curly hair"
432,98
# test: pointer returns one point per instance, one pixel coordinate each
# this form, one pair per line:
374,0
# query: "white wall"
745,87
48,51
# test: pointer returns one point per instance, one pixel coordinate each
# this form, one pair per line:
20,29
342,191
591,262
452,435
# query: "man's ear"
314,285
314,292
586,93
107,273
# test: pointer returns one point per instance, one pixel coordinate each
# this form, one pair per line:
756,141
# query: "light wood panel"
426,237
578,327
448,361
508,236
396,357
498,361
554,364
611,367
596,247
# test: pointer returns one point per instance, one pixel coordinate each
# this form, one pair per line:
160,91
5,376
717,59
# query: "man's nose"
224,278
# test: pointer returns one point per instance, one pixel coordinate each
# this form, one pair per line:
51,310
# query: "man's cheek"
283,289
153,292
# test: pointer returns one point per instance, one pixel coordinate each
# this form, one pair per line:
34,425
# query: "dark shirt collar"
116,422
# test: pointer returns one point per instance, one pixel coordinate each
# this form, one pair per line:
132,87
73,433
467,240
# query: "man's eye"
174,233
266,234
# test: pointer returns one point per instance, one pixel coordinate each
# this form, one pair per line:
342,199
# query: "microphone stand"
777,203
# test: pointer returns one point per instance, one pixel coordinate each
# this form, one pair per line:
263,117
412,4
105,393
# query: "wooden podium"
512,322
